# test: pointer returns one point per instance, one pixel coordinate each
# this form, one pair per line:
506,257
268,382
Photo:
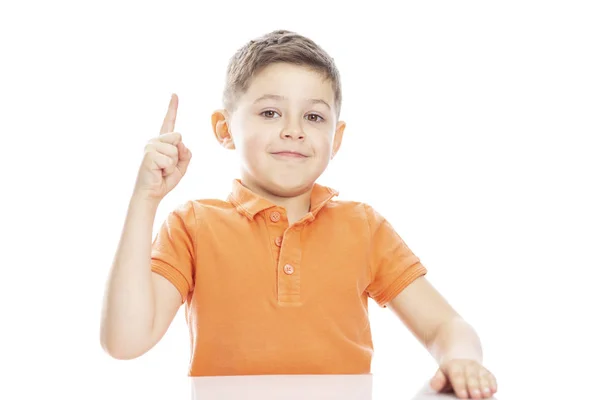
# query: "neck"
296,205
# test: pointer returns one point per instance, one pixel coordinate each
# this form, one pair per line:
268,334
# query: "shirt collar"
249,203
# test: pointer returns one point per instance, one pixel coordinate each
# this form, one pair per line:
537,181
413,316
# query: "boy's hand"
467,378
165,159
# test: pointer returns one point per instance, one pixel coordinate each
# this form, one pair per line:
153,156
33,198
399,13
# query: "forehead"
292,81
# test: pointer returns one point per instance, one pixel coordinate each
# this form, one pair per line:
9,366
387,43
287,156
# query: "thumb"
438,382
185,155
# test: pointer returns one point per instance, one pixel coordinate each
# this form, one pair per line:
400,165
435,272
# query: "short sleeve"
173,249
393,265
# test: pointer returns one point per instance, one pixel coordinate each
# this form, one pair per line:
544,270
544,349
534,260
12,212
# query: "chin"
289,186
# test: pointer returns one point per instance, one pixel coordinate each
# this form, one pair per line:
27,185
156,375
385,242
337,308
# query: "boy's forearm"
456,339
128,308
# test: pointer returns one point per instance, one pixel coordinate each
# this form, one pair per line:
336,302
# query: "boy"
275,279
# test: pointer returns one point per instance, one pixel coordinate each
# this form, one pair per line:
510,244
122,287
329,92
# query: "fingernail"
476,392
463,393
486,390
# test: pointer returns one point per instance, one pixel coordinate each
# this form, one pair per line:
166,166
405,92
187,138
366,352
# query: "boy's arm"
138,304
435,323
450,340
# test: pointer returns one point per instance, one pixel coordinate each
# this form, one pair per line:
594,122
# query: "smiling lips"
289,153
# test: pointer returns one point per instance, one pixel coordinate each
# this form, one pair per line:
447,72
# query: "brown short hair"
278,46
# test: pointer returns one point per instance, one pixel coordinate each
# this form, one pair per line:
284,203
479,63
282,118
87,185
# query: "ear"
337,139
220,125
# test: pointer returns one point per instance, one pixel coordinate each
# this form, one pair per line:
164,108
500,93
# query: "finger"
472,373
171,137
184,152
168,150
159,161
185,156
169,121
438,382
165,148
493,383
487,380
485,387
457,379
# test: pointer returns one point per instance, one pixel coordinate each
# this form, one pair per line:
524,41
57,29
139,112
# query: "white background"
472,126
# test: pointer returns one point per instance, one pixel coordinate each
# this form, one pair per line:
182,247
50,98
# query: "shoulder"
357,213
352,211
350,208
194,209
205,208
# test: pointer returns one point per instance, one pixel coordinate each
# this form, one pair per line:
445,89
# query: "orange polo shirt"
263,297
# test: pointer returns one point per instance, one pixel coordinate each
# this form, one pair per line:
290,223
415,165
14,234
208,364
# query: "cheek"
324,147
244,136
253,144
252,149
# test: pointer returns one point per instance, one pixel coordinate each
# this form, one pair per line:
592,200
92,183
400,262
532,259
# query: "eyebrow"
278,97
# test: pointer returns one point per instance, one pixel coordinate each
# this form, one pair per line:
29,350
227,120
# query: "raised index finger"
169,121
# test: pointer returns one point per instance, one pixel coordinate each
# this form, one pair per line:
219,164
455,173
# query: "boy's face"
284,128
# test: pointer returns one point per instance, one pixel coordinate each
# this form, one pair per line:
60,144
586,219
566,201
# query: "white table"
295,387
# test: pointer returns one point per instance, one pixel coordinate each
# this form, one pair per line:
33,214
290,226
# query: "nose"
292,130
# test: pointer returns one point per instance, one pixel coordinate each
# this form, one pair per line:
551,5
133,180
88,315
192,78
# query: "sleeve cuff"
173,276
413,272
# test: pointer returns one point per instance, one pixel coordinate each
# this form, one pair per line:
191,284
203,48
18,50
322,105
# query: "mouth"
289,154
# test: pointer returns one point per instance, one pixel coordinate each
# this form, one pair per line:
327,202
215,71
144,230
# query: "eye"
270,114
315,118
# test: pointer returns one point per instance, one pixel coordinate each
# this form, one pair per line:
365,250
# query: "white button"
288,269
275,216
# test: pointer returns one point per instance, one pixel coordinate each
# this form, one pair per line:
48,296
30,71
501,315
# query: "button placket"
288,268
275,221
